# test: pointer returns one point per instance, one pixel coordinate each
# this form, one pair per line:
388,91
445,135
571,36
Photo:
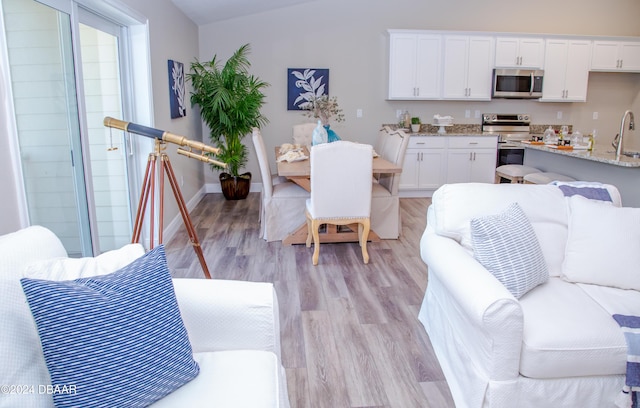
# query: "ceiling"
209,11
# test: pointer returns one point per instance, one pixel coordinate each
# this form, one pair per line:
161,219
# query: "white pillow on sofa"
603,244
506,245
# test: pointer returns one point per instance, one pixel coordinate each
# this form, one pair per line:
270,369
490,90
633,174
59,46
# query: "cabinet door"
480,68
455,67
431,168
507,52
531,53
555,69
402,65
630,56
459,165
409,178
428,67
605,56
577,76
483,166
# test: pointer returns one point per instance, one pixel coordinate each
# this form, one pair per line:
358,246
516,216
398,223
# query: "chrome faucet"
617,141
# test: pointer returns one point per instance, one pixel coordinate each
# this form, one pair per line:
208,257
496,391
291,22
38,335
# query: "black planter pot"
235,188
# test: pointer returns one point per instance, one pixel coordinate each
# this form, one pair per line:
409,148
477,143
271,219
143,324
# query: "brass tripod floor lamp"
159,157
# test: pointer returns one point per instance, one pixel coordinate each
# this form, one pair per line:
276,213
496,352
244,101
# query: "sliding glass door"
66,76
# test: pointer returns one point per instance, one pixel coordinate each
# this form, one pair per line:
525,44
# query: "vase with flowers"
324,109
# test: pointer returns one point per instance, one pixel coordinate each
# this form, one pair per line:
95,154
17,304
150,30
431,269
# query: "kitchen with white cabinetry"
515,52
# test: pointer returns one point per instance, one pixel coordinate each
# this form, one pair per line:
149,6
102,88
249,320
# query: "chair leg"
316,241
308,232
363,239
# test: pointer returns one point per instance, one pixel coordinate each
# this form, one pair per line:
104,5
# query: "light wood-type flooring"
350,333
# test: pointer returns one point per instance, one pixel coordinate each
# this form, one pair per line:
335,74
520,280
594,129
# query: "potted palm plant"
230,99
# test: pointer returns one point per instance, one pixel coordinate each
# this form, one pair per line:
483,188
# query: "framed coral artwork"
177,100
304,85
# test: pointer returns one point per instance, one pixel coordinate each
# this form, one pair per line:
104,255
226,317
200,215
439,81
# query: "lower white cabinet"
432,161
471,159
424,163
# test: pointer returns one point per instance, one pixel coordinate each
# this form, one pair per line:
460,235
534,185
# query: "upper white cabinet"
414,66
566,70
467,66
616,56
515,52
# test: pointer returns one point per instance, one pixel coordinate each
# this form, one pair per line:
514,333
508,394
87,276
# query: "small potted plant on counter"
415,124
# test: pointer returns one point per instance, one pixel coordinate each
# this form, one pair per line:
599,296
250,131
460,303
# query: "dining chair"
282,204
385,201
378,147
303,133
340,191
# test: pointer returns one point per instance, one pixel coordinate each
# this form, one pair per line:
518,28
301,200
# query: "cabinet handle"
421,156
417,91
474,156
621,63
420,143
473,143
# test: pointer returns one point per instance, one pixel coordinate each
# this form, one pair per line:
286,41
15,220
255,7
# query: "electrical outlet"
358,113
398,113
477,114
467,113
559,115
595,115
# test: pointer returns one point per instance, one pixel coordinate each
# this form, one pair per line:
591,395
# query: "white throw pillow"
506,245
603,245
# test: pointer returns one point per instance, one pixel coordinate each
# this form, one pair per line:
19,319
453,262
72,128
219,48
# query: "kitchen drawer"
427,142
480,142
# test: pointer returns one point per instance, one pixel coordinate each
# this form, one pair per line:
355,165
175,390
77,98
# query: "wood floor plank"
350,336
327,388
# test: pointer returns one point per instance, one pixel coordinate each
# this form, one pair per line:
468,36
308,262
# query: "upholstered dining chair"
340,191
385,201
282,204
380,142
303,133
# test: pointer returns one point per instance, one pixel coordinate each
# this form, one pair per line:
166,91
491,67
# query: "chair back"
394,150
341,180
263,162
303,134
382,139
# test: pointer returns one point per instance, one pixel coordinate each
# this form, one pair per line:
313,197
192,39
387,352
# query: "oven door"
517,83
510,155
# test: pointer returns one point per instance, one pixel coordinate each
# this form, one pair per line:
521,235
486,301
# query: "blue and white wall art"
305,84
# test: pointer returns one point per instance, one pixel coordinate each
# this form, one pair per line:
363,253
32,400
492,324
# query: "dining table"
299,172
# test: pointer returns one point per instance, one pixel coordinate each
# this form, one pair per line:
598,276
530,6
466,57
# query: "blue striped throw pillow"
114,340
507,246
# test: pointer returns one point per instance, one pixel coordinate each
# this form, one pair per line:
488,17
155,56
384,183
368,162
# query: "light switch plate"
559,114
358,113
595,115
467,113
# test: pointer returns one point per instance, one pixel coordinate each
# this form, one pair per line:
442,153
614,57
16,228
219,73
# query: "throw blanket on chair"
631,328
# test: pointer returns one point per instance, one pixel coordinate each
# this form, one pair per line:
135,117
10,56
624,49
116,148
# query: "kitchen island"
598,165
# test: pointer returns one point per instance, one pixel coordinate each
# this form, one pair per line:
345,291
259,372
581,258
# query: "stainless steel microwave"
517,83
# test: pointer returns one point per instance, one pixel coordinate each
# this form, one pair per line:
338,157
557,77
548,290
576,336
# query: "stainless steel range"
512,129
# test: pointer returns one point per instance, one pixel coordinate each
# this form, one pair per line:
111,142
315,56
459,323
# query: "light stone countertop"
599,154
453,130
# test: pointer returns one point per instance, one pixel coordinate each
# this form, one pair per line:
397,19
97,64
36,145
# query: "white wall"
349,38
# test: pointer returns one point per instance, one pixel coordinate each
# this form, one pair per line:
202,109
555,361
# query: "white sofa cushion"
230,379
21,356
456,204
506,245
613,261
567,334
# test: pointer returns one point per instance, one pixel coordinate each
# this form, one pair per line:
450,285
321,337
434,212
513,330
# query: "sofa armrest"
480,310
229,315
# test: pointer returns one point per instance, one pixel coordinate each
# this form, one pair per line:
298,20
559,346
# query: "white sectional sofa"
233,328
556,346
